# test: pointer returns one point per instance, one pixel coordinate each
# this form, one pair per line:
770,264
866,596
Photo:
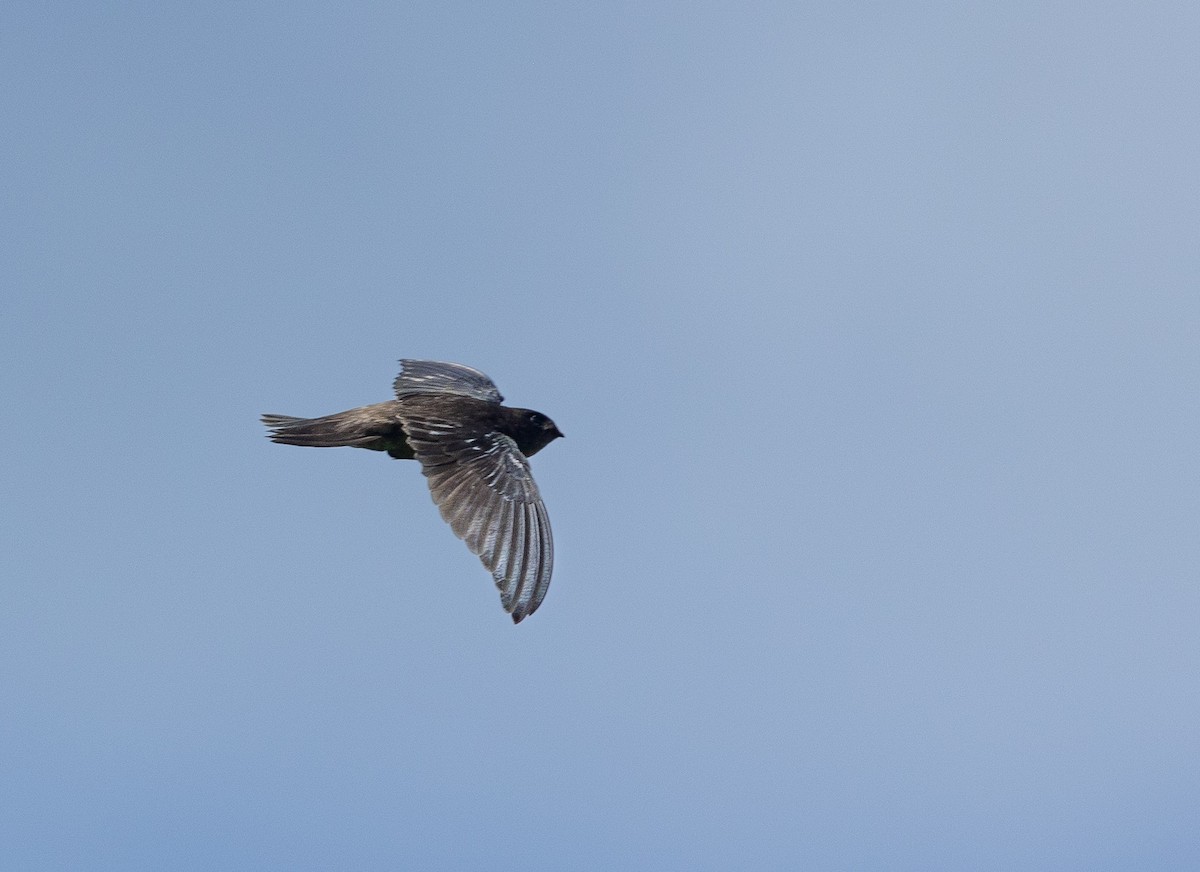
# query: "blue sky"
873,329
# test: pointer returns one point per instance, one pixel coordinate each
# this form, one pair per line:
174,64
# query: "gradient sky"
874,330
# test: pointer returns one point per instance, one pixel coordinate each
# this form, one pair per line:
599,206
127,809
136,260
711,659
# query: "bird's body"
473,450
380,427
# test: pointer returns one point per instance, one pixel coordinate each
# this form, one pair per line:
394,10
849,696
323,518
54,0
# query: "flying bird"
473,451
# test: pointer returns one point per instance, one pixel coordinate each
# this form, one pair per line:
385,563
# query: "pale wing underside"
436,377
484,488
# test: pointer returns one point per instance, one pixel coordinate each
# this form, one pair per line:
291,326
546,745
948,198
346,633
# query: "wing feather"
484,488
438,377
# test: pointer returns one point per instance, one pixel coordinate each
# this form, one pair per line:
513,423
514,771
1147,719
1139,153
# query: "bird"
473,450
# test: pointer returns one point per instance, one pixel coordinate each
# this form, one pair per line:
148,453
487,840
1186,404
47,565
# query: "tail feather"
331,431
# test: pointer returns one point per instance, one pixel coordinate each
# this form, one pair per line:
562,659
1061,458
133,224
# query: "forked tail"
330,431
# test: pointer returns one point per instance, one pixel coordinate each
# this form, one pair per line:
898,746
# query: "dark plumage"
473,451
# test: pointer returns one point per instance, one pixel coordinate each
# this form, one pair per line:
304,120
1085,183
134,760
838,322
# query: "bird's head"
533,431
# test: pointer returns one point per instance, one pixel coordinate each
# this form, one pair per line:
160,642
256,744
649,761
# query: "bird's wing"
436,377
484,488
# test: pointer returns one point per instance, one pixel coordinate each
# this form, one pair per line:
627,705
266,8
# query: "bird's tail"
330,431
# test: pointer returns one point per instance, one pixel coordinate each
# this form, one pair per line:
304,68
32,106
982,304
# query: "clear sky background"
874,330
